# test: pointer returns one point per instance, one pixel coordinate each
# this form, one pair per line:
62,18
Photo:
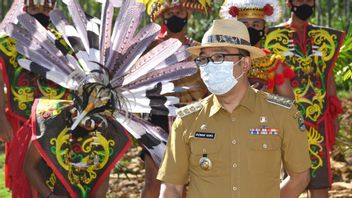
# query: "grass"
344,94
4,192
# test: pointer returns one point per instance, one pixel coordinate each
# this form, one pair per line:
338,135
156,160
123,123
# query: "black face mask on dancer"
303,11
42,18
255,35
175,24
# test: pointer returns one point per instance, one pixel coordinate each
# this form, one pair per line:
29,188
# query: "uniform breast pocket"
264,155
209,149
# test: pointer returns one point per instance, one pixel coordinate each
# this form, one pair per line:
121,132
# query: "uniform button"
233,119
234,165
234,188
265,146
234,142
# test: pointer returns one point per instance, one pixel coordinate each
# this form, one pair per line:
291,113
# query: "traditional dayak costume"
22,88
190,88
263,70
312,54
81,140
156,9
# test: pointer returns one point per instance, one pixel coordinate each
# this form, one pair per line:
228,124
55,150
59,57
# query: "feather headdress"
20,6
109,68
39,6
269,10
11,16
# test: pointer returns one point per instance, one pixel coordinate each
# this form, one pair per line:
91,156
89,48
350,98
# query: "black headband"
226,39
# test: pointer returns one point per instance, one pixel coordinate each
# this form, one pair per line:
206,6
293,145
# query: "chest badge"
263,119
263,130
203,127
204,162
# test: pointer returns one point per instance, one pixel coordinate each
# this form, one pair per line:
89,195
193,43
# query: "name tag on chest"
205,135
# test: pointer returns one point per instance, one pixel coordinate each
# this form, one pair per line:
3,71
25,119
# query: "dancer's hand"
6,133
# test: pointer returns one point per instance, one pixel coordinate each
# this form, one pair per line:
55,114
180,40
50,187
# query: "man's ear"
246,64
288,4
266,29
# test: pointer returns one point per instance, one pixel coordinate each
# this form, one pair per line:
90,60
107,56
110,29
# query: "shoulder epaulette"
279,100
191,108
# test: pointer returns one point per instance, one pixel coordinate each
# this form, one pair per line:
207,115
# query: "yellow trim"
253,13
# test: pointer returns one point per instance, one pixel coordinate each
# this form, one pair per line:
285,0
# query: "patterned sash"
81,160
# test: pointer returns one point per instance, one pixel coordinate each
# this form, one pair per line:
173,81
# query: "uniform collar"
248,101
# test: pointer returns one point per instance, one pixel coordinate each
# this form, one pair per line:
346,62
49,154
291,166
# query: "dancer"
270,71
80,140
311,51
174,16
23,87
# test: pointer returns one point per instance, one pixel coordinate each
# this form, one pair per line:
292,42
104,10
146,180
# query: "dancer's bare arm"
6,133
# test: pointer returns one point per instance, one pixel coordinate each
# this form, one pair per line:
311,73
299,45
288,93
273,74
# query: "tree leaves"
343,67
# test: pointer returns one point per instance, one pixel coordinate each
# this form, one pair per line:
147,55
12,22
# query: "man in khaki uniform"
232,143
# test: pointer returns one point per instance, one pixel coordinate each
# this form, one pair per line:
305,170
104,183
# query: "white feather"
146,63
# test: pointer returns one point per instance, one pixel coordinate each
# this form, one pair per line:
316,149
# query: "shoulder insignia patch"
279,100
300,121
191,108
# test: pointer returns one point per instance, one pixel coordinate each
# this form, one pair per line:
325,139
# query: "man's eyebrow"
257,21
220,51
217,50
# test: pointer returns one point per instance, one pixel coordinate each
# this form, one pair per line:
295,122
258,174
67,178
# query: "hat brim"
253,51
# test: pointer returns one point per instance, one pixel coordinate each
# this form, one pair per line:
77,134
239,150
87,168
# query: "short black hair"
245,53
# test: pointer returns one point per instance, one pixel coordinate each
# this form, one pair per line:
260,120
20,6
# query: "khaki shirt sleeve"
174,167
295,143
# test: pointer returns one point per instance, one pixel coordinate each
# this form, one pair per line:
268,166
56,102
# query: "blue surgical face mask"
219,78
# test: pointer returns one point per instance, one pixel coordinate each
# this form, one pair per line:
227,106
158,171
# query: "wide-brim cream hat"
227,33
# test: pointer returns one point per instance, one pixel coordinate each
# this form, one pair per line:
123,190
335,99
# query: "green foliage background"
4,192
